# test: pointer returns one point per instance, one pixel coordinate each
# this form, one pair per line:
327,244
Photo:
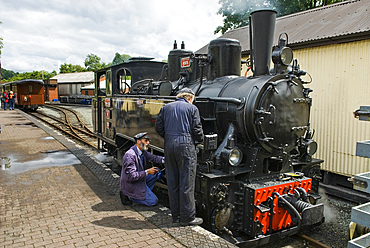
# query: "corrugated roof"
75,77
332,23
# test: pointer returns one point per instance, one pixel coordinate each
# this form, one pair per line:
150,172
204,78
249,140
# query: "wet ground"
24,153
10,164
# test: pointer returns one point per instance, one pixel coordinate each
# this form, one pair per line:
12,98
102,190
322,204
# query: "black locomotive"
255,168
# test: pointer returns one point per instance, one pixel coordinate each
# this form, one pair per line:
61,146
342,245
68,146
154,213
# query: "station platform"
54,193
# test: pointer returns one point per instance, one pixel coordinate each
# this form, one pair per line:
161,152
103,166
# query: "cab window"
124,81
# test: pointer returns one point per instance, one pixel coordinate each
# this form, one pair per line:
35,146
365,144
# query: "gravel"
334,232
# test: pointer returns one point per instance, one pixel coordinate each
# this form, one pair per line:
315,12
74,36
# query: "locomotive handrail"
221,99
233,100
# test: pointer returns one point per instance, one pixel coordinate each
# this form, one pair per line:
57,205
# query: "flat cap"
141,136
187,90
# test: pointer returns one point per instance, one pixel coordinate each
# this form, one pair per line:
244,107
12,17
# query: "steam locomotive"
256,178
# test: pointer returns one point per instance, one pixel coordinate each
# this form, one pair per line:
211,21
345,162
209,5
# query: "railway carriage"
29,93
256,174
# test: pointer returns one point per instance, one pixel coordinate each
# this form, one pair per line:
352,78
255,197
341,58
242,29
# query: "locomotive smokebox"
261,32
225,57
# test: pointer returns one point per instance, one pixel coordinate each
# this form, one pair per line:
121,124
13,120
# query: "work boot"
124,199
176,219
196,221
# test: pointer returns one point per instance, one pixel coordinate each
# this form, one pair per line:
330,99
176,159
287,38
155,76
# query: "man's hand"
152,170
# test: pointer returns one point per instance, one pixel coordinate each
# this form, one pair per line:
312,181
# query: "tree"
30,75
92,62
6,74
104,65
68,68
236,12
118,58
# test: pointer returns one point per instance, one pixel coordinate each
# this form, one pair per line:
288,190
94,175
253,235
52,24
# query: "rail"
310,242
66,127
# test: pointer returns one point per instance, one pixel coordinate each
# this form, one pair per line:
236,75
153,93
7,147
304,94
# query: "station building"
71,83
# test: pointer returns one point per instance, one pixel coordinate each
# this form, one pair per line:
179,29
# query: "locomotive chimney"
261,32
183,45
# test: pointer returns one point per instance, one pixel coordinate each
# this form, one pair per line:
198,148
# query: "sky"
43,34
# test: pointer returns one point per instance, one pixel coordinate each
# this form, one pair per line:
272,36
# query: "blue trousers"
181,172
11,104
150,199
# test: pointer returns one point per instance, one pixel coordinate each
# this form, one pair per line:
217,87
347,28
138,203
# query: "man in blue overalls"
179,124
137,182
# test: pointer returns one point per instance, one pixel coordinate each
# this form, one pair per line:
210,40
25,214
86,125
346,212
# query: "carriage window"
86,93
100,86
30,89
124,81
108,83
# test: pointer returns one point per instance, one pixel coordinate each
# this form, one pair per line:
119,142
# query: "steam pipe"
290,208
201,80
303,194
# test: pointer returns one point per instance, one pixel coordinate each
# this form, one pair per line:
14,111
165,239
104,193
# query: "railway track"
68,123
309,242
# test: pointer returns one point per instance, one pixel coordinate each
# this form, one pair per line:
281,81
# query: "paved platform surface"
72,201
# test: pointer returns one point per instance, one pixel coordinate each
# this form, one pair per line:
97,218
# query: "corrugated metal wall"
341,84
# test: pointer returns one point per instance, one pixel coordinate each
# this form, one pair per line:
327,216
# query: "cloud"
44,34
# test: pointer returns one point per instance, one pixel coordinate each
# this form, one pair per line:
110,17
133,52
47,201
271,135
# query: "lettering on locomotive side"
107,102
185,62
108,114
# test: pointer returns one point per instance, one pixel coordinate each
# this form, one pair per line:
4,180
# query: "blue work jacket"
133,172
179,119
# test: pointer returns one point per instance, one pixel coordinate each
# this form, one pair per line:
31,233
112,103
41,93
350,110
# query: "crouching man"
137,182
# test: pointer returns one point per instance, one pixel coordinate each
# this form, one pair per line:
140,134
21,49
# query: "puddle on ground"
104,157
50,159
110,162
